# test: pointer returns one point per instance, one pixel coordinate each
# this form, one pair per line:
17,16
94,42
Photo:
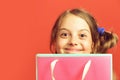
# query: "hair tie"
101,30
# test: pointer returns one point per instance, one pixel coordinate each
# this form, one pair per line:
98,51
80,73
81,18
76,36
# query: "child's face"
74,36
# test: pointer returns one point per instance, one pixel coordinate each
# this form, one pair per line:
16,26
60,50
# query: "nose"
73,41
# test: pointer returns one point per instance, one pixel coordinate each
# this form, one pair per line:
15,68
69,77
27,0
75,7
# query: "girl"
76,31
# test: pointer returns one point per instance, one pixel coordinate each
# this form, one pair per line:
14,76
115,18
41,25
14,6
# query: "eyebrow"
84,30
79,30
62,29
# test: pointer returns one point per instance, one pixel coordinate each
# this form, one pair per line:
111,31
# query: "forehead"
74,22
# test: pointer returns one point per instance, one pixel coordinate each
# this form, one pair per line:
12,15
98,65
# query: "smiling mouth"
72,50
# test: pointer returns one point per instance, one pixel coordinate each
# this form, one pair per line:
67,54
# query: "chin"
74,52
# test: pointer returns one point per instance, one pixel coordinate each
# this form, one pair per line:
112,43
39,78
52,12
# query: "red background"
25,27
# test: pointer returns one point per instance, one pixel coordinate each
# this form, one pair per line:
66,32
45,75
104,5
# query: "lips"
72,50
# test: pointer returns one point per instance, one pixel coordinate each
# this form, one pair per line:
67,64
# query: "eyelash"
83,35
64,35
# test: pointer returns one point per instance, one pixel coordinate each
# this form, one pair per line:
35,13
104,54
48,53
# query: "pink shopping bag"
74,67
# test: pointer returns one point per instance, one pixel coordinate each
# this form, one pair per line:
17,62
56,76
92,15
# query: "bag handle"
86,68
53,63
85,71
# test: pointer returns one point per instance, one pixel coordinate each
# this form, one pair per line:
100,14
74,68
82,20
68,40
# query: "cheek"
61,43
88,45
